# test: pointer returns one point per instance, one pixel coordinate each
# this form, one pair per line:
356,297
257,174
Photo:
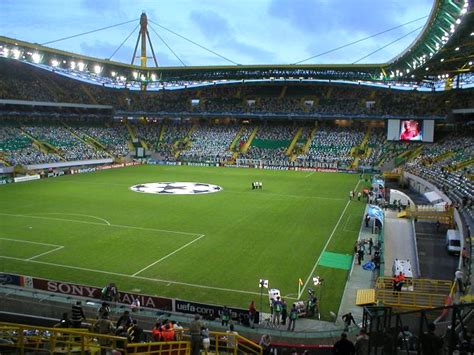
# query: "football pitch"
204,247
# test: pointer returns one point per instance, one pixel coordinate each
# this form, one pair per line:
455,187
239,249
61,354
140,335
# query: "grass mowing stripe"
326,245
99,224
167,256
133,277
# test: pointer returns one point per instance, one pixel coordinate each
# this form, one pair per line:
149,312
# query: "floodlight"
458,21
463,12
263,283
142,77
54,62
73,65
442,60
81,66
16,53
317,280
113,74
470,63
153,77
456,49
36,57
97,69
135,75
427,68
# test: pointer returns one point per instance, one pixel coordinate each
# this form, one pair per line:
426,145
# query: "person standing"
195,329
367,220
104,326
359,195
231,338
265,343
360,255
430,342
77,315
371,245
284,312
344,346
277,308
293,317
252,314
362,343
225,316
459,276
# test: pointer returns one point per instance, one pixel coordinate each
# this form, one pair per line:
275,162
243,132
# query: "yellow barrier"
415,294
25,338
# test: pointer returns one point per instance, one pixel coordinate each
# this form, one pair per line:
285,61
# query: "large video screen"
411,130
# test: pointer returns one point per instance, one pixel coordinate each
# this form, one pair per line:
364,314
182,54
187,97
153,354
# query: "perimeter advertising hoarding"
211,312
66,288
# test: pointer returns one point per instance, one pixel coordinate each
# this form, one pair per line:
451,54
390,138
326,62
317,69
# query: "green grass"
276,233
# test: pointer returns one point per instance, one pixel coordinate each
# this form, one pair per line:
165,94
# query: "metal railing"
25,338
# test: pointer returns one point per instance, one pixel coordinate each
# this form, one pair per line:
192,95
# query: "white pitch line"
325,246
311,173
167,256
47,252
30,242
99,224
76,214
133,277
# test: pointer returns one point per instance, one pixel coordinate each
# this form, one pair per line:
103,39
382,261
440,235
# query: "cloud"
217,30
211,24
101,7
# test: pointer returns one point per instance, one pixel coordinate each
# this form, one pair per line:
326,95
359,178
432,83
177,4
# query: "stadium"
266,208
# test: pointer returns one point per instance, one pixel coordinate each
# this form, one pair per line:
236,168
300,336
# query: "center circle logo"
176,188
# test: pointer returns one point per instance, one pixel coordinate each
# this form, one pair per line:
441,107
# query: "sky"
242,31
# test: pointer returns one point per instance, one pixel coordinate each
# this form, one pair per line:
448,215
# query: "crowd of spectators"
114,138
210,143
438,164
16,148
332,146
25,82
67,144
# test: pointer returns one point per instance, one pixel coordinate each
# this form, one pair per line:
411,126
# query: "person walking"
348,319
265,343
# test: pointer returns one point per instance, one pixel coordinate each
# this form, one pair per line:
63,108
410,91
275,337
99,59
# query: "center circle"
176,188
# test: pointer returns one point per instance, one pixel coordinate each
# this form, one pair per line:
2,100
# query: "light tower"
143,36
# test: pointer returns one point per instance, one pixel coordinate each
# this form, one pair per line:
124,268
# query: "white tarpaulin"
433,197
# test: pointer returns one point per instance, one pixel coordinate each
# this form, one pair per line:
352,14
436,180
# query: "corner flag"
300,282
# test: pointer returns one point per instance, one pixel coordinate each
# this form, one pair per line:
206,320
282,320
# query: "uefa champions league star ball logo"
176,188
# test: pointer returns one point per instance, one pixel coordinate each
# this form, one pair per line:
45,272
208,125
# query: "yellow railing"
24,338
418,285
408,299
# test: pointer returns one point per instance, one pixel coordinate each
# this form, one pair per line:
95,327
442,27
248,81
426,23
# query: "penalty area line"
167,256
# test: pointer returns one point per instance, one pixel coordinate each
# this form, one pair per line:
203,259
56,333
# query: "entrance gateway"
176,188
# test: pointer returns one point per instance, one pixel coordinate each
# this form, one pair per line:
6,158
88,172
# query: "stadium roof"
444,50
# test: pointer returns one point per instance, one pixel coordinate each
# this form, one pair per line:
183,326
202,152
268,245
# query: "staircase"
429,213
247,144
297,136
